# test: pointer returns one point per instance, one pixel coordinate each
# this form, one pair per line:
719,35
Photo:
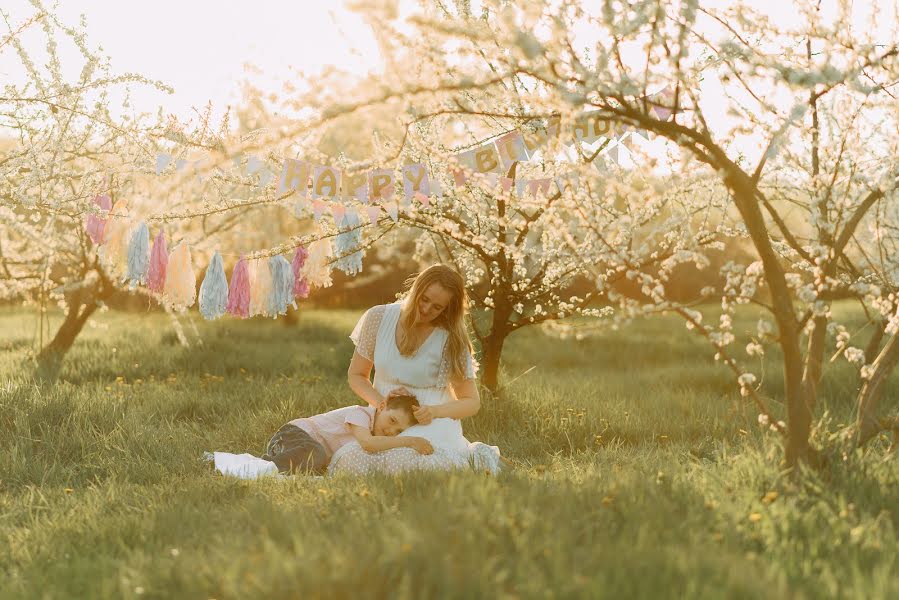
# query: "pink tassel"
95,224
301,288
300,285
239,290
159,261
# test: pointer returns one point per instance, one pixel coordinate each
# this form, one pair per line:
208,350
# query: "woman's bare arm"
359,378
467,403
378,443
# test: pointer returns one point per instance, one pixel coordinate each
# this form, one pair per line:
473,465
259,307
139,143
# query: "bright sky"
199,47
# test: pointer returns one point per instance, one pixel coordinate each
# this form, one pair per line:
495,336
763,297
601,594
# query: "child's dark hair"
404,402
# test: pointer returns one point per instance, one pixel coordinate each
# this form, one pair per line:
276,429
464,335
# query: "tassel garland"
214,290
94,223
349,257
180,289
300,285
261,287
281,274
159,260
317,268
139,256
239,290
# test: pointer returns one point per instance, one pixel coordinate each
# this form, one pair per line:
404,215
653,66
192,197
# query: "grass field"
643,474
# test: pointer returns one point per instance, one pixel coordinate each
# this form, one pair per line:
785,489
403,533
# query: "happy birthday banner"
267,286
316,187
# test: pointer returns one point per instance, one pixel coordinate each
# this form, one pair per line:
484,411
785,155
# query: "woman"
419,345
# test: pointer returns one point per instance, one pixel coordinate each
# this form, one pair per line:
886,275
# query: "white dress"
425,375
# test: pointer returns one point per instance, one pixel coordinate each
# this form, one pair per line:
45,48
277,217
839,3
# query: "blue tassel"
282,286
214,290
139,256
349,262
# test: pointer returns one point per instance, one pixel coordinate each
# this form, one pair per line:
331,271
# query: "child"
307,444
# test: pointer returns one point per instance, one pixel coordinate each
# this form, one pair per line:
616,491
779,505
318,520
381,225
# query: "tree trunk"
814,359
82,304
493,350
799,416
866,424
493,342
873,347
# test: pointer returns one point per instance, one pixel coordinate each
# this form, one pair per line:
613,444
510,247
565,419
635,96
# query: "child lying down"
306,445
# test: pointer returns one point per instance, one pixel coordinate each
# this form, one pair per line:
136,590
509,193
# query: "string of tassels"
348,241
263,286
214,290
138,256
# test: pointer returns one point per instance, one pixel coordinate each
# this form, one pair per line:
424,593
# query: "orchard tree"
524,236
66,144
795,115
525,254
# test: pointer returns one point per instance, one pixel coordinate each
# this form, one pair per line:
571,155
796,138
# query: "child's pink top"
331,429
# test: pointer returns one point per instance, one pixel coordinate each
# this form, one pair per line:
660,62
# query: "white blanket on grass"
242,466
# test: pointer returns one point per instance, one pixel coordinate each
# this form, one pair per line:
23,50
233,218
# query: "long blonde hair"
452,318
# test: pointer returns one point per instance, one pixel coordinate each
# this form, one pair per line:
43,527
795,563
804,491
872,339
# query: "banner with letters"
266,285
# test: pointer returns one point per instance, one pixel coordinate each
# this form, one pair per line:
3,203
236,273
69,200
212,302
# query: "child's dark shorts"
292,449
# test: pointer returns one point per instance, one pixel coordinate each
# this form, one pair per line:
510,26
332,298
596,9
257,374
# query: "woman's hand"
421,445
400,391
426,414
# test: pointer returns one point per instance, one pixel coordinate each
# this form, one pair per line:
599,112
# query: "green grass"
642,473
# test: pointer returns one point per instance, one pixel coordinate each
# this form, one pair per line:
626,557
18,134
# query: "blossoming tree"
524,234
64,146
795,118
67,150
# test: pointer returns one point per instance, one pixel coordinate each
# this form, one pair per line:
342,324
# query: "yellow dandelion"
755,517
770,497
